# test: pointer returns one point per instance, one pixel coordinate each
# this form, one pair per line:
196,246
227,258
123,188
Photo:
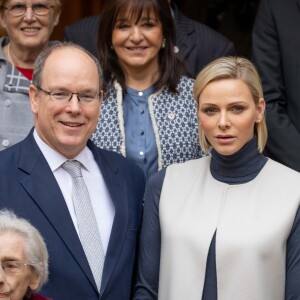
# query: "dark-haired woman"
148,113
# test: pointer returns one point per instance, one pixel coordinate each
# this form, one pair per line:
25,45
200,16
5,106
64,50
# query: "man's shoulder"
202,31
84,32
116,160
25,153
10,154
88,22
130,173
9,164
185,80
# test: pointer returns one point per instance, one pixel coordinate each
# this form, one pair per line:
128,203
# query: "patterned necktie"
86,221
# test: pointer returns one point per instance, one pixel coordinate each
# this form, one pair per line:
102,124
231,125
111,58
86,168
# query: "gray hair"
41,59
35,247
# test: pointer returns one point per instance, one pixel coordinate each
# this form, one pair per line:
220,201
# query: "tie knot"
73,167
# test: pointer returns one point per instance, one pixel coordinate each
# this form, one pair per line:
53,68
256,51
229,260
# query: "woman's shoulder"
190,166
186,81
3,41
185,87
184,90
113,89
282,172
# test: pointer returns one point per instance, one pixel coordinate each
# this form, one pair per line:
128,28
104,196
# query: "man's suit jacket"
198,44
29,188
276,52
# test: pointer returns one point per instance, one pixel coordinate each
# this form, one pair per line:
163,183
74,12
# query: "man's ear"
101,96
100,100
34,98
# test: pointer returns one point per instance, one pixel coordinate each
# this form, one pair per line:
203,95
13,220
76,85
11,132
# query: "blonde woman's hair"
232,68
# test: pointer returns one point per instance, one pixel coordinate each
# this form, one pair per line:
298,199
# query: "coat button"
5,143
7,102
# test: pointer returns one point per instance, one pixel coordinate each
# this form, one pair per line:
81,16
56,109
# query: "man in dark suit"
276,52
197,44
65,99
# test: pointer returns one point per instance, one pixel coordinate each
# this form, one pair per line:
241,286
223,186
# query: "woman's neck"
141,78
22,58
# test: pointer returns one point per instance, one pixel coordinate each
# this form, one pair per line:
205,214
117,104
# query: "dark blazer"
29,188
276,53
197,43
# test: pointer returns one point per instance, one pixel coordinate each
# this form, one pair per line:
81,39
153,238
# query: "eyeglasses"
19,10
64,97
13,266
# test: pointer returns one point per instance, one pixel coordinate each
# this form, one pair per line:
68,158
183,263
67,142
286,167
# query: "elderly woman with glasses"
29,24
23,259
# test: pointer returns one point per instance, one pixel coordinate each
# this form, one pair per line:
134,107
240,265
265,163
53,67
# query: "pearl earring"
163,45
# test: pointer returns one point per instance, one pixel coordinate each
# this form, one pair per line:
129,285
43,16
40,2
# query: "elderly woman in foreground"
23,259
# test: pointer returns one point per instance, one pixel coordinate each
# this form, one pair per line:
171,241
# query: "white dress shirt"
102,204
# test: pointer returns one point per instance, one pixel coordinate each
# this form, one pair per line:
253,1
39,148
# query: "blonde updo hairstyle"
232,68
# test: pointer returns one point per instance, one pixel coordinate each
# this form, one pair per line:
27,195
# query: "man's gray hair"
41,59
35,247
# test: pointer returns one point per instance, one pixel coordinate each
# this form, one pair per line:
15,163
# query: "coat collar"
40,183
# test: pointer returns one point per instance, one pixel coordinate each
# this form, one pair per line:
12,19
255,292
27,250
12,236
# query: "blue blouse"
139,134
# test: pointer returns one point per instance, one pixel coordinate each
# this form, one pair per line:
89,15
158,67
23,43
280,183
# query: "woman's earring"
111,47
163,45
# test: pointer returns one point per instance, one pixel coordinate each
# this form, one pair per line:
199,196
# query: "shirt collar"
55,159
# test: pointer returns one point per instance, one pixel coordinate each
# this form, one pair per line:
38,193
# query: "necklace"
8,55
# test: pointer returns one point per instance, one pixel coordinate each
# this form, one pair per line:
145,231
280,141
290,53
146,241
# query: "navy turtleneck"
240,167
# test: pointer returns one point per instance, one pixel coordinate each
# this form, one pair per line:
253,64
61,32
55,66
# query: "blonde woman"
225,226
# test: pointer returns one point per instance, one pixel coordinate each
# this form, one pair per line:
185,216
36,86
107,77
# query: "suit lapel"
39,182
118,192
